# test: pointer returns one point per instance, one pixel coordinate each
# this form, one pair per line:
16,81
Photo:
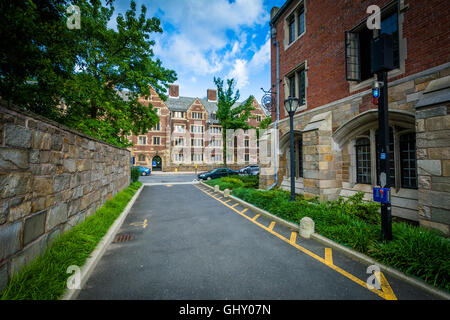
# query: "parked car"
144,171
217,173
252,169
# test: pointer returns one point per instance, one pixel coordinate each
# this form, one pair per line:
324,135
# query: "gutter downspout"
277,44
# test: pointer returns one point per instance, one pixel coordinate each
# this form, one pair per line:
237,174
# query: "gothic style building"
188,136
324,60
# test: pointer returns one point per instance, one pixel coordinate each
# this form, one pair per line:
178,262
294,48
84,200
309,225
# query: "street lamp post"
291,105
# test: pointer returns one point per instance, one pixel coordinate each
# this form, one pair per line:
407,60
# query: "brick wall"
424,29
51,179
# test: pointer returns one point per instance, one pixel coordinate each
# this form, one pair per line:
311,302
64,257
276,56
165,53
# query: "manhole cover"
124,237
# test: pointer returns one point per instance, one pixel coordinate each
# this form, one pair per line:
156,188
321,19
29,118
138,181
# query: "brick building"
188,136
324,43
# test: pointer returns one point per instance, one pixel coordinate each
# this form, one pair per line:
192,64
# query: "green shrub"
135,174
356,224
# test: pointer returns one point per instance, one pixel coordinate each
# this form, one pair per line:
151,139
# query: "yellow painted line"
385,295
169,185
385,287
272,224
293,237
328,256
244,210
234,205
224,201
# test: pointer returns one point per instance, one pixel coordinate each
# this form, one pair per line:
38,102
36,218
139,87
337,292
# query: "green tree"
111,62
36,53
97,72
230,114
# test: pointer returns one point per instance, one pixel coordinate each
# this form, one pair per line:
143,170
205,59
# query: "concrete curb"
347,251
95,256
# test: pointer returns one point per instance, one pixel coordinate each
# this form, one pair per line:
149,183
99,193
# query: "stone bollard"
226,193
209,178
306,227
216,188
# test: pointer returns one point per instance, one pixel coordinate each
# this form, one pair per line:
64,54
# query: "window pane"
408,160
363,167
389,25
301,87
301,22
292,86
291,29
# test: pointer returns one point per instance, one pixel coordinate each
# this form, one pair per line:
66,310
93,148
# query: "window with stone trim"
357,45
363,161
408,161
156,141
142,140
141,157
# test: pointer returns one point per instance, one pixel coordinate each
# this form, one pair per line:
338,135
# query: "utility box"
382,195
381,53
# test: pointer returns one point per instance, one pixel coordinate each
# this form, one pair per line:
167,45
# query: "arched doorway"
156,163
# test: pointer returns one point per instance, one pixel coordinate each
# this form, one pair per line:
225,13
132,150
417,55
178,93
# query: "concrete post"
306,227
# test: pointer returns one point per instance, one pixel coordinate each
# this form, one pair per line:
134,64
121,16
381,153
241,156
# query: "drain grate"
124,237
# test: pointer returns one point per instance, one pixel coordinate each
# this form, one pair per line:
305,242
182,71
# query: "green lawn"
45,278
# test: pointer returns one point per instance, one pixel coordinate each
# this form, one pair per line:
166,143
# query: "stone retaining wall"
51,179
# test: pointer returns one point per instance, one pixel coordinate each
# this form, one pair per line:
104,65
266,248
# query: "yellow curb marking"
234,205
272,224
169,185
244,210
387,295
293,237
328,256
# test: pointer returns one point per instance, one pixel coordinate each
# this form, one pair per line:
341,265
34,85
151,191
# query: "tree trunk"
224,146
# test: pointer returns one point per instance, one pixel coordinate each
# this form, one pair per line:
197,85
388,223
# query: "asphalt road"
194,246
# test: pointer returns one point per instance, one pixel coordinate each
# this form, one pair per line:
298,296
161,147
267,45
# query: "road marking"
140,224
272,224
226,201
385,285
169,185
293,237
244,210
234,205
387,295
328,256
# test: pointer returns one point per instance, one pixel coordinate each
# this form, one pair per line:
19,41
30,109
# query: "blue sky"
206,38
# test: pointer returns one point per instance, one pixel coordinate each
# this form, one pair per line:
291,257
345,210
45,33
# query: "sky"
203,39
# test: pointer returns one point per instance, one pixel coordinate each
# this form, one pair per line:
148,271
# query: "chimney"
211,94
273,12
174,91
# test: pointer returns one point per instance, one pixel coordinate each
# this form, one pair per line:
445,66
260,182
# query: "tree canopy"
231,115
96,72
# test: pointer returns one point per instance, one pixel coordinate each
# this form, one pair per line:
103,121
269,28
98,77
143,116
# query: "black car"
252,169
217,173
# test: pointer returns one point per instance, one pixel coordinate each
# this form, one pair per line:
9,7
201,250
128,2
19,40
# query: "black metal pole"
383,136
292,155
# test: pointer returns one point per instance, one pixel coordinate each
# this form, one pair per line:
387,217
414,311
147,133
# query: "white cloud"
239,73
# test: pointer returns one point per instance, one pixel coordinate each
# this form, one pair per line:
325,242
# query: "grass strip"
45,278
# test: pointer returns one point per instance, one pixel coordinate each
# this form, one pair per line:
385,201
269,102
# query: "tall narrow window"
291,28
301,87
292,86
300,158
301,21
363,167
408,160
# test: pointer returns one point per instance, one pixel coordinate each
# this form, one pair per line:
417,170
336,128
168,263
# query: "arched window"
363,165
